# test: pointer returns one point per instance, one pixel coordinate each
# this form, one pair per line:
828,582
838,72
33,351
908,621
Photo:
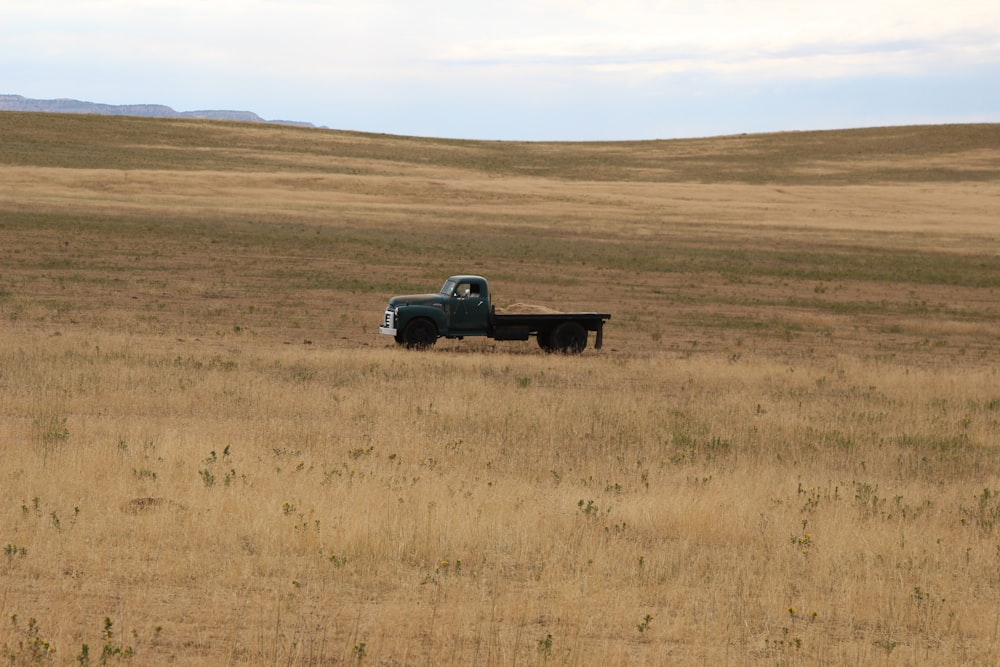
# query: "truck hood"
419,299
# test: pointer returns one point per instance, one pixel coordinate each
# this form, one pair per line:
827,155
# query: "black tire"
569,338
544,339
420,334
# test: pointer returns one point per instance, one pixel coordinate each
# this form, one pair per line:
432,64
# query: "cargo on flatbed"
463,308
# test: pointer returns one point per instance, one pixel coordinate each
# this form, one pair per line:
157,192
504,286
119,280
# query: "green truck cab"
463,308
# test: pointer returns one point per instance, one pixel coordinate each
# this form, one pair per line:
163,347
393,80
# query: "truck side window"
465,290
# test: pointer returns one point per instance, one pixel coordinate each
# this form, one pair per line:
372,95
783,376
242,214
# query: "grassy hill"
786,453
740,234
877,155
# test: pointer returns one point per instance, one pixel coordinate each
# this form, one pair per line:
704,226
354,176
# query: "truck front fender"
406,314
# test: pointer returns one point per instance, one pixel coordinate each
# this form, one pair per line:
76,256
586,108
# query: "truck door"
470,311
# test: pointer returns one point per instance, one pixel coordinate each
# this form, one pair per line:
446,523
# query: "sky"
531,70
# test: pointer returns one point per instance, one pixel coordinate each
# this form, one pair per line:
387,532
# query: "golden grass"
292,505
785,454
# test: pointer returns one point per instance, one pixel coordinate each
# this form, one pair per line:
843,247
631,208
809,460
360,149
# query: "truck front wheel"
568,338
419,334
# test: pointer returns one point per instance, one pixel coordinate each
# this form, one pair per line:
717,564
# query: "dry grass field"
788,451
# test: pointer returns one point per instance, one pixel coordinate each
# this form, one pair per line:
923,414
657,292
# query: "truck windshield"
449,287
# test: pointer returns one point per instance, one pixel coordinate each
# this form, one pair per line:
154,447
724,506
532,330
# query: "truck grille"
389,326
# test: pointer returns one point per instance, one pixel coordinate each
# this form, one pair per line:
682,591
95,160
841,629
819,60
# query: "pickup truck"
463,308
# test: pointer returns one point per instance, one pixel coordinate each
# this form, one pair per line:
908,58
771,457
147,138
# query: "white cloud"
378,37
765,39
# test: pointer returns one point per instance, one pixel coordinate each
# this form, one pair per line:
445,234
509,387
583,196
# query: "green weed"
985,513
545,646
645,623
113,648
29,646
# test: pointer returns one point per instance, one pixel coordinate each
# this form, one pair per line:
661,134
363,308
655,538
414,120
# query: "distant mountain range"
19,103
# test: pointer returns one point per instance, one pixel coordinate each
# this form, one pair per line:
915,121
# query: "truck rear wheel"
419,334
544,339
568,338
